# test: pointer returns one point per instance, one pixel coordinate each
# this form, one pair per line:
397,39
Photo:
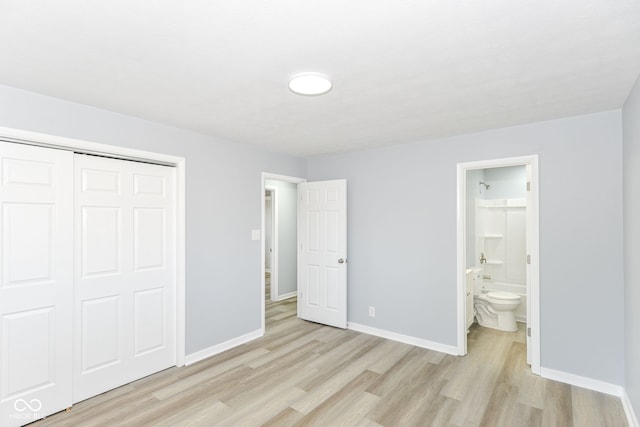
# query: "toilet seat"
503,296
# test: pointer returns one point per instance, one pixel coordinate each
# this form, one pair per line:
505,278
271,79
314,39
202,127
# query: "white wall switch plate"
372,311
255,234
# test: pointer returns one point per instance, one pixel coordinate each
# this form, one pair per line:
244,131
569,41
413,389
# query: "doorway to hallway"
279,229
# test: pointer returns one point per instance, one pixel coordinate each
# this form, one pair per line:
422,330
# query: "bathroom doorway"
498,245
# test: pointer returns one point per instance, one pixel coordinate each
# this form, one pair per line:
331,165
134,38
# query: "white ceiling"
402,70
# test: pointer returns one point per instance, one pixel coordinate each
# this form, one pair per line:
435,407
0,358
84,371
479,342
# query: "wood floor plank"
272,375
348,400
331,364
261,407
286,418
196,416
215,370
408,402
389,353
531,390
410,366
558,405
303,373
283,351
439,413
365,422
594,409
501,406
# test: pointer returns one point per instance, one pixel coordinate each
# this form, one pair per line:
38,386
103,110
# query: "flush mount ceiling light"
310,84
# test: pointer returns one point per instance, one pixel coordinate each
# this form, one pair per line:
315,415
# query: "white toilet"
496,310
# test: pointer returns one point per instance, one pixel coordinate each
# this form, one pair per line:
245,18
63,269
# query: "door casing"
533,226
275,255
268,230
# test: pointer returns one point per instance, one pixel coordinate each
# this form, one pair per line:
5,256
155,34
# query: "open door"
322,252
528,234
268,231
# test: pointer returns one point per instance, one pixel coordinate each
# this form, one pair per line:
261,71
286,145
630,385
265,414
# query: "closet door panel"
125,280
153,268
101,249
36,282
149,229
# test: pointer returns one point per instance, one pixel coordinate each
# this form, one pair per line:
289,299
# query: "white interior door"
36,282
322,258
124,301
528,234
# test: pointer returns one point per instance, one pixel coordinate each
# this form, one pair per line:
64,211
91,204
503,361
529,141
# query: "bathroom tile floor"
305,374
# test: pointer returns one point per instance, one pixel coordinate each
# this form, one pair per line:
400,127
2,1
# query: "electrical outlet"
372,311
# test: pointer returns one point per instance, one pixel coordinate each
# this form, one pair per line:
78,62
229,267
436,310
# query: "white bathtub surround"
501,239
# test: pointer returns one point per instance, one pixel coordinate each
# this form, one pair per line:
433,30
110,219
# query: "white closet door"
124,271
36,282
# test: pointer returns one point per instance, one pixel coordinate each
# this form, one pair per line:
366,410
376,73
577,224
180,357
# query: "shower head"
486,186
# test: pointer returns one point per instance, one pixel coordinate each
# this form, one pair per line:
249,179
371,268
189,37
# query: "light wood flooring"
305,374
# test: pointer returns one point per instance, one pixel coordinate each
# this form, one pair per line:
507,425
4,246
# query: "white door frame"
268,197
86,147
274,242
277,177
534,286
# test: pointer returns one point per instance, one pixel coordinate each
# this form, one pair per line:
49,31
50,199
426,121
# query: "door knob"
341,261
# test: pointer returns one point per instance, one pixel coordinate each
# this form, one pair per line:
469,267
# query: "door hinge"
528,259
529,332
529,186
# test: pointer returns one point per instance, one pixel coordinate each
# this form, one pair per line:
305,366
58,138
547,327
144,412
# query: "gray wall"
223,204
287,198
631,135
402,235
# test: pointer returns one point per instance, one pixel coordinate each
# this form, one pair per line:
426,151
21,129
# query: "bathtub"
520,312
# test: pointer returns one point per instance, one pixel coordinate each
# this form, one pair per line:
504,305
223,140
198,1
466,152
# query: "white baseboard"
584,382
192,358
418,342
629,412
287,296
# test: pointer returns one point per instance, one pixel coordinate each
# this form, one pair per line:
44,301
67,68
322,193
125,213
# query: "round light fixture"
310,84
